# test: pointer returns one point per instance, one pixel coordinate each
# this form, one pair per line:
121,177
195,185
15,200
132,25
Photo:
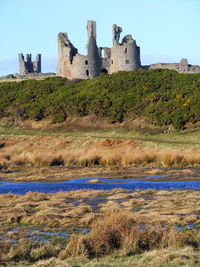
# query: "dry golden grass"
56,151
124,223
116,231
105,236
74,207
154,172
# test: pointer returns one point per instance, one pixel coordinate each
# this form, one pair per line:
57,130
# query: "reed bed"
45,151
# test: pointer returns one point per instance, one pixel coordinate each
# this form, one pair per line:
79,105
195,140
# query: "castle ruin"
124,56
29,66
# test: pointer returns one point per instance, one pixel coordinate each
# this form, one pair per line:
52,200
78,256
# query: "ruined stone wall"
171,66
194,69
80,67
17,76
106,59
29,66
22,67
66,53
37,64
73,65
181,67
123,56
105,65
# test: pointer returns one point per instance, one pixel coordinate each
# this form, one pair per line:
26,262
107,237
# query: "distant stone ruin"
182,66
28,69
124,56
29,66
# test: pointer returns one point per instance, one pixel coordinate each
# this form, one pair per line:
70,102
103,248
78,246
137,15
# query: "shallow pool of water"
13,235
104,184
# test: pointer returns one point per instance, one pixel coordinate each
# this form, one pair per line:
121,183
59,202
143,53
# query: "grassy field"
185,138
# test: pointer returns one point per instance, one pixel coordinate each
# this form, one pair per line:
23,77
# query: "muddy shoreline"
60,174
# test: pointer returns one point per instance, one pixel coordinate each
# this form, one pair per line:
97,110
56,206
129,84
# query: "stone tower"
66,54
125,56
94,60
29,66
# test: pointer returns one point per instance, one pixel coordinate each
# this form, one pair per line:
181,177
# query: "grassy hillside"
164,97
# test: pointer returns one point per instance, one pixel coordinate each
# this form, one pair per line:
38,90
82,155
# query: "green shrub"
164,97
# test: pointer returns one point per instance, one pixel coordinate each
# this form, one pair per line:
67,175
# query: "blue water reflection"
105,184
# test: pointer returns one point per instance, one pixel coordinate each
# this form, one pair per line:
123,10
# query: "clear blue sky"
165,30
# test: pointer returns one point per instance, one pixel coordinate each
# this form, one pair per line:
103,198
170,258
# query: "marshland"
99,227
92,227
98,143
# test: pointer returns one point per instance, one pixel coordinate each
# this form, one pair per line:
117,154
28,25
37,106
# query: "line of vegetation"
44,151
164,97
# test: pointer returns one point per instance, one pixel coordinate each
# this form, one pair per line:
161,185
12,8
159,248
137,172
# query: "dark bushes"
164,97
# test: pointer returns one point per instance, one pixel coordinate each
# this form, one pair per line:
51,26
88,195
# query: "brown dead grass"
124,223
105,236
53,151
116,231
75,208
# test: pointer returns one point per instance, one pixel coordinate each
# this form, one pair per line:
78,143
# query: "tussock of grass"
116,231
105,236
43,252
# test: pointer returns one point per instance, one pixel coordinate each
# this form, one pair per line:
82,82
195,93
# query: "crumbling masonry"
29,66
123,56
182,66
